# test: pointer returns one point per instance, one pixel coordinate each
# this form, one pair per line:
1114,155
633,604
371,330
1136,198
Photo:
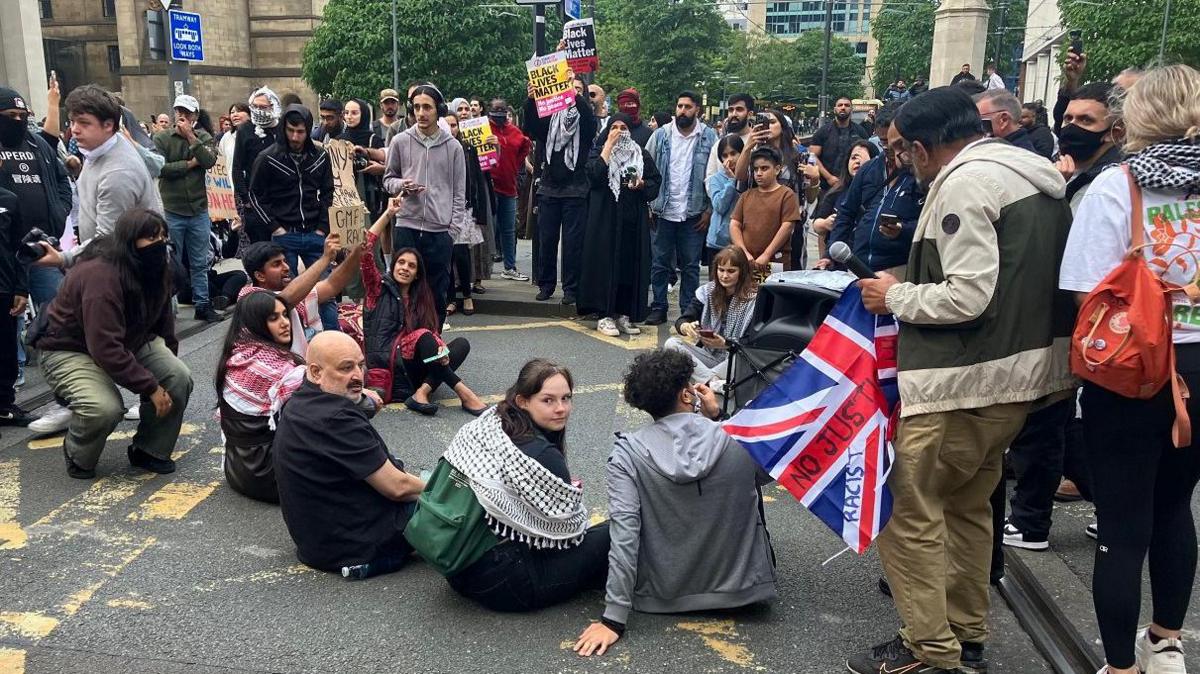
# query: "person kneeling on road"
111,324
345,498
720,556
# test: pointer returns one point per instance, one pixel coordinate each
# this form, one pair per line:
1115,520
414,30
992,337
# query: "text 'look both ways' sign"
580,38
552,90
477,132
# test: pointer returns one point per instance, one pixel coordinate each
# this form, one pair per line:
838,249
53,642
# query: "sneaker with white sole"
56,419
513,275
1164,657
627,327
1015,538
134,413
607,326
1092,531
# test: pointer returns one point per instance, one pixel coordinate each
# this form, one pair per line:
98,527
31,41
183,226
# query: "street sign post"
573,8
187,42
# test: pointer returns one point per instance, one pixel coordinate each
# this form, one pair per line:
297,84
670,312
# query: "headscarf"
564,135
630,103
457,102
626,154
361,133
262,119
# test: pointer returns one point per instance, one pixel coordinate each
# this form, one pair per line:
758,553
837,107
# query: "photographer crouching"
111,324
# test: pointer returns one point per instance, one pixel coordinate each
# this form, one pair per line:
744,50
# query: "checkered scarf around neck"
625,154
259,377
564,135
1171,165
522,500
735,320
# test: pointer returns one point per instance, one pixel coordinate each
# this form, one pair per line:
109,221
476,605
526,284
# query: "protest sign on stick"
552,88
220,191
580,37
477,133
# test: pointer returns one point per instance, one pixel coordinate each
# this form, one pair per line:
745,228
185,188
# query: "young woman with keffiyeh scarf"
1142,485
256,373
515,459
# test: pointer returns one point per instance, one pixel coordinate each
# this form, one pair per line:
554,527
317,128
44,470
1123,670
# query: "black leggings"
460,256
1142,486
419,372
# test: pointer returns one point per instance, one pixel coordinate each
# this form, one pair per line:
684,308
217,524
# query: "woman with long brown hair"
720,312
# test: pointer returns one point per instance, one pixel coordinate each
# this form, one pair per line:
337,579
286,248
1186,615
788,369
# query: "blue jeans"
676,243
43,286
190,235
506,229
568,215
307,246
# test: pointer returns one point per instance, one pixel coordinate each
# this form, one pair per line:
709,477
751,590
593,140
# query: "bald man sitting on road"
345,498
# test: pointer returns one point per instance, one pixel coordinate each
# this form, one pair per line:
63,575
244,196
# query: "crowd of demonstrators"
251,139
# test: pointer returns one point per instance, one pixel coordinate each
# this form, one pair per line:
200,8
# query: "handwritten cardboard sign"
221,205
349,223
341,159
580,37
552,90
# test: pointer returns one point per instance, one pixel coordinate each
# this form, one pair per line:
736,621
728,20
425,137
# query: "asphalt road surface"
133,572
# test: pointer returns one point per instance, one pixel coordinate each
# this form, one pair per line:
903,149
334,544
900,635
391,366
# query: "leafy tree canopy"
1129,34
789,71
904,32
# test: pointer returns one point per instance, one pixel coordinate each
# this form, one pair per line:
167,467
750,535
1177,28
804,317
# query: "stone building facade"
247,43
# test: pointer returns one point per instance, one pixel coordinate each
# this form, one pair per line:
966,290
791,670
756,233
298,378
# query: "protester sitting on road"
720,311
761,223
1141,484
111,324
545,553
345,499
401,324
676,545
256,373
723,192
616,272
266,265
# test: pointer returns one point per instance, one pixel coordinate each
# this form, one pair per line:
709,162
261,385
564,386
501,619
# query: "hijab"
630,103
455,103
626,154
361,133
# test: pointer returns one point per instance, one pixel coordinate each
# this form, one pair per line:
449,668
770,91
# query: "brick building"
247,43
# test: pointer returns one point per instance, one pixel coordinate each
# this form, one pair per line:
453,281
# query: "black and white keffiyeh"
1172,165
564,135
626,154
522,500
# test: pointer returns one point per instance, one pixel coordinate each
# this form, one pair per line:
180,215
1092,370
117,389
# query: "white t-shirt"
1100,238
683,150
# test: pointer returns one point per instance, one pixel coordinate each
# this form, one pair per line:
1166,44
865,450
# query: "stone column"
22,64
959,36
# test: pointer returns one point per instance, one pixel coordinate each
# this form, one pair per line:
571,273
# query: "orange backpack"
1122,338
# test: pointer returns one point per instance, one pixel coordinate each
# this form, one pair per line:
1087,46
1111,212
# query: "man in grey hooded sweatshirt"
686,523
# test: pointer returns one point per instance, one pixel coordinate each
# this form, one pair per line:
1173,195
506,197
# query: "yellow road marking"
712,631
12,536
173,501
56,441
12,660
101,496
512,326
29,625
645,341
493,399
78,599
129,603
267,576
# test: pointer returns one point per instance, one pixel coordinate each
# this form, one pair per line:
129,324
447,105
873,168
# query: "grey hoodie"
441,167
685,523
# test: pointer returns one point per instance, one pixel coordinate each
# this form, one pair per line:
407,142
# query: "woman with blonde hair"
1142,484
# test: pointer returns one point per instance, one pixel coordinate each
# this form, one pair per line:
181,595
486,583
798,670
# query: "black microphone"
842,254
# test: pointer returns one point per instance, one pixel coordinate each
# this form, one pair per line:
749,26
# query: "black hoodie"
292,191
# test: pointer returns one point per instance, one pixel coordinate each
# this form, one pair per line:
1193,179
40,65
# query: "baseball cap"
389,95
186,102
11,99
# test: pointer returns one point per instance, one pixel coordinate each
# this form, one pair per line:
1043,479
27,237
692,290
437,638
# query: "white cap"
186,102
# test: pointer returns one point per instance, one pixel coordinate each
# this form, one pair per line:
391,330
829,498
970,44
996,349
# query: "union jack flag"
823,428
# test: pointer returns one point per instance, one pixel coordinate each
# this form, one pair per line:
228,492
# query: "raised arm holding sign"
550,83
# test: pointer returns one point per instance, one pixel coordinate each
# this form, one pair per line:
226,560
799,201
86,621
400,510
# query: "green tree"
463,48
661,48
1129,35
789,71
904,31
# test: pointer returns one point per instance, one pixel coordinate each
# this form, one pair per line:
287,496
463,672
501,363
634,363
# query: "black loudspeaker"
786,316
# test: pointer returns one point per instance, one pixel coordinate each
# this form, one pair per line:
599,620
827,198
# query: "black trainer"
893,658
15,416
75,471
208,315
544,295
568,300
146,461
656,317
973,661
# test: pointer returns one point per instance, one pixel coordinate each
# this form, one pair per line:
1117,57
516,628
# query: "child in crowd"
762,221
722,191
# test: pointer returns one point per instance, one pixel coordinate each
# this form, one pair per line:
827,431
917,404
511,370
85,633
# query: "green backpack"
448,528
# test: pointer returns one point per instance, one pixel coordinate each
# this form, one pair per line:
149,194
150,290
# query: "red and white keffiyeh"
259,378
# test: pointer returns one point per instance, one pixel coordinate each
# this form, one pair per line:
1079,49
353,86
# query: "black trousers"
436,249
514,577
565,216
434,373
8,352
1036,457
463,275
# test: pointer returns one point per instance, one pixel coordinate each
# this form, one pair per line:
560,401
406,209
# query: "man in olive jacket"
189,151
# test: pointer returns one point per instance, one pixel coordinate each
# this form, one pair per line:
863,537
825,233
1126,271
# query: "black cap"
11,99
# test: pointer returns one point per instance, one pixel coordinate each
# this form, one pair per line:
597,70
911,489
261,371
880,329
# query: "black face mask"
11,131
684,122
498,118
153,261
1080,143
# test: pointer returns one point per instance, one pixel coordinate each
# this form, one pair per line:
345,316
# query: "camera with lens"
30,249
360,162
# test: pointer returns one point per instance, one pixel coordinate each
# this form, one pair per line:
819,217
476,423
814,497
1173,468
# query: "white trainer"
607,326
55,419
1165,657
134,413
627,327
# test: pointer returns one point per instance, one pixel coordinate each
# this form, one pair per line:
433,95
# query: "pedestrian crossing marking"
173,501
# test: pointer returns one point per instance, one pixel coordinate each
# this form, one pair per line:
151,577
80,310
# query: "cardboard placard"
477,132
349,223
552,88
341,159
221,205
580,37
